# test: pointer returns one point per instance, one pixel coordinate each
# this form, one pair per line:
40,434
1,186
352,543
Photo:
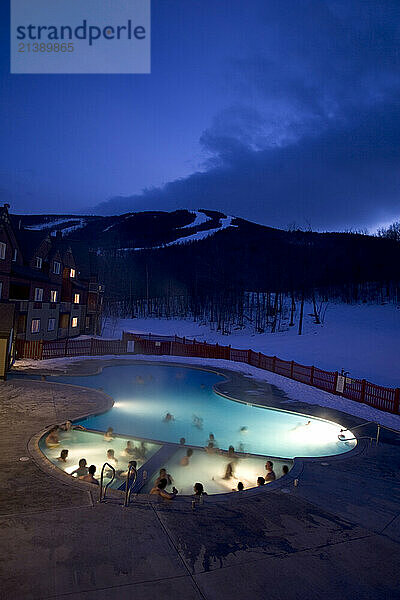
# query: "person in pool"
198,489
108,436
210,449
285,470
90,478
140,451
240,487
301,426
182,441
270,476
159,490
123,474
63,456
82,470
260,481
111,456
52,440
168,418
128,450
229,471
197,422
185,459
67,426
211,440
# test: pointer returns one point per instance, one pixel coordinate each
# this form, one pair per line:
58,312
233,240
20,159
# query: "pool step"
151,466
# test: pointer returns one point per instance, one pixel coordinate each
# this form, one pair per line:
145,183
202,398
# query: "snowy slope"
225,222
200,219
362,339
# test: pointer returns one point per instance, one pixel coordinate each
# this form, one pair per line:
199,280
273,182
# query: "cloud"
314,135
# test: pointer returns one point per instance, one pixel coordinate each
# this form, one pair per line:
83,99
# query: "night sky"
282,112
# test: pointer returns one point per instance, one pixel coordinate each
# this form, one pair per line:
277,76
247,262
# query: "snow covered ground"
294,389
362,339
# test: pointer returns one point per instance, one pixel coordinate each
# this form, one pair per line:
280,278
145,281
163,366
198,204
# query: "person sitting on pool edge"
82,470
185,459
159,490
90,476
164,475
270,476
108,436
63,456
52,440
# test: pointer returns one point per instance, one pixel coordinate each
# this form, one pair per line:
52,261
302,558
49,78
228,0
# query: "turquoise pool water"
143,395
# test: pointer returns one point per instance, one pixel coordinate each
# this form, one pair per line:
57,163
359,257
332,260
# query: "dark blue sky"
278,111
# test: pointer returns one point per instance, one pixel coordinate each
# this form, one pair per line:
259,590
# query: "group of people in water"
131,453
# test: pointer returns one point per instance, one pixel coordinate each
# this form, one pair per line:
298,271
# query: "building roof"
28,273
29,241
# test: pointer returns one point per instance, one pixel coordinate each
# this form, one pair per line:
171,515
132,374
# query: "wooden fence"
360,390
69,347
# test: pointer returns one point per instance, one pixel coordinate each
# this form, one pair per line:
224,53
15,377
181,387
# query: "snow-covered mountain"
134,231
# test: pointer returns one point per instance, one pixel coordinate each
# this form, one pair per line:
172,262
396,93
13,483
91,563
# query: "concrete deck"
336,535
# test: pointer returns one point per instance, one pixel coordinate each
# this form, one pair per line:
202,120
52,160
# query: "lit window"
76,298
53,296
74,322
56,267
72,273
38,262
15,254
3,247
35,326
51,325
38,294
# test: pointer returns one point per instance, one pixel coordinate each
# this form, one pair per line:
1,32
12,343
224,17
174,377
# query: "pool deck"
335,535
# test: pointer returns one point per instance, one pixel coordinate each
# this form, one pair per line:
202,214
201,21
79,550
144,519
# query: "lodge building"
50,284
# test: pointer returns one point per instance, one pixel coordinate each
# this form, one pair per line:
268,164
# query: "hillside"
201,253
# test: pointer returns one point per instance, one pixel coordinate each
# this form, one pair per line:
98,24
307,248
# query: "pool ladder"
102,496
128,486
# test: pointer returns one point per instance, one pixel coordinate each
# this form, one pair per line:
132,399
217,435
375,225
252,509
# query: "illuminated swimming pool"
144,394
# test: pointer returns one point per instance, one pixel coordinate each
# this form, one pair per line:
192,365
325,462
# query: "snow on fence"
360,390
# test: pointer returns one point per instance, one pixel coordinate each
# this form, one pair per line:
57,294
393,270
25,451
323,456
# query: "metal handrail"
101,495
378,430
132,467
365,437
